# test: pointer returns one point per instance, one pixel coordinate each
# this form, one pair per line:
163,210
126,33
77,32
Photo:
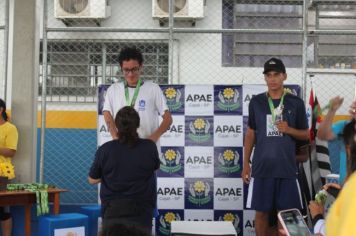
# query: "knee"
5,216
261,215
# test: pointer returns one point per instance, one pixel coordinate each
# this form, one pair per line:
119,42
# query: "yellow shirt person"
341,217
8,139
8,147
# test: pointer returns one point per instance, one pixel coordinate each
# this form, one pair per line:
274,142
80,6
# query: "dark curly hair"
3,113
127,121
349,135
130,53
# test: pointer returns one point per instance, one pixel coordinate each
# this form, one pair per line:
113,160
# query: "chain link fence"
331,54
205,42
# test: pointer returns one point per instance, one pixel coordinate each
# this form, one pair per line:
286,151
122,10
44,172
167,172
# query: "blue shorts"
267,194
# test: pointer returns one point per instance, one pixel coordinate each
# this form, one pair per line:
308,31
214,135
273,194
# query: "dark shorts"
268,194
133,212
4,214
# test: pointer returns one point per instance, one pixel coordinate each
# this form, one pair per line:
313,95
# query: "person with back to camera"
125,167
8,147
276,120
145,96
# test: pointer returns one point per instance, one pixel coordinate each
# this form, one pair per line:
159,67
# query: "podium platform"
201,228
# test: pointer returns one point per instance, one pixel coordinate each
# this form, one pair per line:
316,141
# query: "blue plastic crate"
93,212
47,224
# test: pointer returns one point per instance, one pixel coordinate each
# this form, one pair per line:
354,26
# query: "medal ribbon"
41,194
271,106
133,100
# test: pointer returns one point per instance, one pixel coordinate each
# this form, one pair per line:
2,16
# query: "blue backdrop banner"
201,154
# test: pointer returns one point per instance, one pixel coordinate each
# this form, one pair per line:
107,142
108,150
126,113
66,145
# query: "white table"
182,228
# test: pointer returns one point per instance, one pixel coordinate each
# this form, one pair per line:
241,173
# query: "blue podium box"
47,224
93,212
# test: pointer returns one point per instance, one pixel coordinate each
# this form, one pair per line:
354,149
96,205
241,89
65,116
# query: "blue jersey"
274,154
337,129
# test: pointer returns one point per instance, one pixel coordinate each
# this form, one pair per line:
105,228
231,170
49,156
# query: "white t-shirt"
150,104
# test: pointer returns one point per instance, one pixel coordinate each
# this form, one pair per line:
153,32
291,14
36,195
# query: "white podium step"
203,228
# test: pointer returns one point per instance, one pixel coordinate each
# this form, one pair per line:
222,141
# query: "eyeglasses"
134,70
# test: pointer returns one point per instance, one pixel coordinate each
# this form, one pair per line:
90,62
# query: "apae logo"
228,161
178,129
173,97
228,129
248,97
199,130
170,193
250,224
271,127
234,218
224,194
199,193
141,105
170,161
228,99
200,160
165,222
104,129
199,98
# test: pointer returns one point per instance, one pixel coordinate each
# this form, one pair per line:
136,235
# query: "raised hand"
336,102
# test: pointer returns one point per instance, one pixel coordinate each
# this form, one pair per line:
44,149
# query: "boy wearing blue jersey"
276,120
